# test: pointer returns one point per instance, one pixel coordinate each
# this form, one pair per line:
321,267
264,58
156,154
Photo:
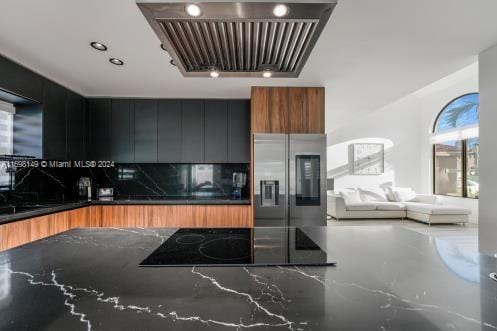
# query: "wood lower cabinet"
173,216
22,232
208,216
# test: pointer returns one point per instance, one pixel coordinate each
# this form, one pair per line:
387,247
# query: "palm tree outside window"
456,148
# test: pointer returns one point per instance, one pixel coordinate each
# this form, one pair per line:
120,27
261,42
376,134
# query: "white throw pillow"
402,194
389,194
372,194
350,197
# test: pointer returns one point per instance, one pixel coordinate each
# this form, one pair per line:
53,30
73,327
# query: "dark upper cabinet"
146,131
20,81
100,115
75,127
122,142
54,121
169,131
239,131
216,131
192,135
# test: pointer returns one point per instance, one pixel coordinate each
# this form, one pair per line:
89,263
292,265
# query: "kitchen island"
392,278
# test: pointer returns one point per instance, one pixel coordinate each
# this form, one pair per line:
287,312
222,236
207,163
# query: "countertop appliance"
84,187
105,193
239,181
289,180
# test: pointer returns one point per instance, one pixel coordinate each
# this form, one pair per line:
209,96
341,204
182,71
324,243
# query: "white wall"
488,159
404,126
397,127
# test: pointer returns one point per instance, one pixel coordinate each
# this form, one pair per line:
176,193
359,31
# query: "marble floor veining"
386,278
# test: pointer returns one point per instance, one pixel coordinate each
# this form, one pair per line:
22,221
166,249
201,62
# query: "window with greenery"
456,148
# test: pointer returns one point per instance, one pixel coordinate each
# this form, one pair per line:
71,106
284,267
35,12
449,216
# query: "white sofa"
423,208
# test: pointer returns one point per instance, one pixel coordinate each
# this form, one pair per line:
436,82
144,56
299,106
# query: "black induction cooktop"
241,247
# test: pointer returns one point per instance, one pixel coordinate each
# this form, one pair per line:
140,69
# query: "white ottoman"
431,213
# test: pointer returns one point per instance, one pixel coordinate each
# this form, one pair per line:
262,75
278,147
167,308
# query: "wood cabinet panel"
121,216
80,218
315,108
14,234
173,216
278,110
287,110
297,110
22,232
259,105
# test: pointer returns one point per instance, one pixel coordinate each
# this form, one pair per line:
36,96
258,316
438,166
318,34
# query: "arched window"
456,148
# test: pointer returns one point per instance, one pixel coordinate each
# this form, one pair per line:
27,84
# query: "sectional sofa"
419,207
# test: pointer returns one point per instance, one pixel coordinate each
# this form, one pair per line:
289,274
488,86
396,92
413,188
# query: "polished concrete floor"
464,236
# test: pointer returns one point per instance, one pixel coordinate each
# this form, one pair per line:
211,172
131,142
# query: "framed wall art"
366,159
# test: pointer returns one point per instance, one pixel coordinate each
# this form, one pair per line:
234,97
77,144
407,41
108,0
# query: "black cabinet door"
146,131
99,130
216,131
122,142
54,121
239,131
192,135
169,131
75,127
20,81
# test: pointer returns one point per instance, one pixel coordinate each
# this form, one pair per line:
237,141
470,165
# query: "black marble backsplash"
130,181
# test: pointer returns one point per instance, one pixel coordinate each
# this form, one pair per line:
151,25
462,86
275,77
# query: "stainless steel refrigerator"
289,180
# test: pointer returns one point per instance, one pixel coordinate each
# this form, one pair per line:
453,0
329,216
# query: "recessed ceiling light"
98,46
280,10
214,73
173,63
115,61
267,73
193,10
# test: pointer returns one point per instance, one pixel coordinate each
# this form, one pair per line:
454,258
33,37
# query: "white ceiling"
370,54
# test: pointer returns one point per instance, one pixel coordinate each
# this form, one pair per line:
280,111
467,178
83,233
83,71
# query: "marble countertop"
386,278
174,201
63,206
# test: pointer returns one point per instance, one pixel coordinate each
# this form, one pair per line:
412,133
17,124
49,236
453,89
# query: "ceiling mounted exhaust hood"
238,39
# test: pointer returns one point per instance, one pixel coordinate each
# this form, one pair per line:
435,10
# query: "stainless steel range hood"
238,39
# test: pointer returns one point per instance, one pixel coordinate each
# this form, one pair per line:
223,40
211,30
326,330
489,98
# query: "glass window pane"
461,112
448,168
472,173
6,146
